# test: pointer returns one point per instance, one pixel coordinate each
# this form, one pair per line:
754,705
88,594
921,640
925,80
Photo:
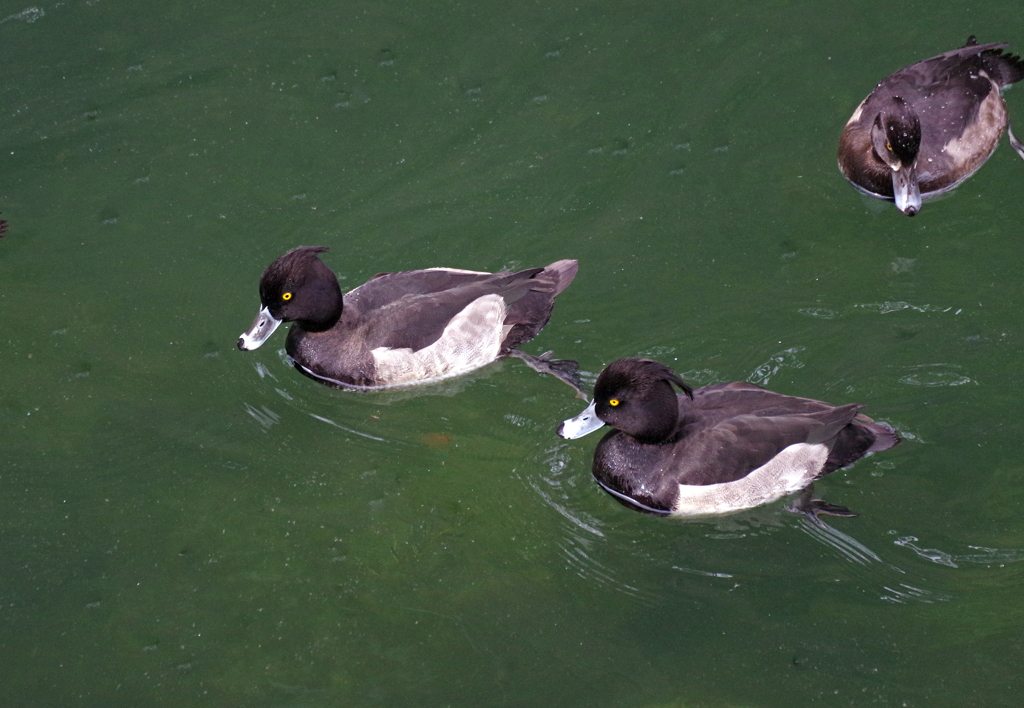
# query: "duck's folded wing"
938,68
386,288
413,313
418,321
733,448
712,401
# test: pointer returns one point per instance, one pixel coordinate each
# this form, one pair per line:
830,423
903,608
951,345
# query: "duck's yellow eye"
286,296
613,402
888,146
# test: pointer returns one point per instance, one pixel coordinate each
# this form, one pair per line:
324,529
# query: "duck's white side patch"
979,139
472,339
789,471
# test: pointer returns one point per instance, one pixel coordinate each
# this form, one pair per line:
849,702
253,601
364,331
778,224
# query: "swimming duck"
930,126
717,449
409,327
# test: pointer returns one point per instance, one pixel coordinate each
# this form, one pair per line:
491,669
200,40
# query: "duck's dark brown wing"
411,309
731,448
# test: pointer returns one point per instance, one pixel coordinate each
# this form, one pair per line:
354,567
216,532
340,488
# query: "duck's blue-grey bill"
262,328
906,190
585,422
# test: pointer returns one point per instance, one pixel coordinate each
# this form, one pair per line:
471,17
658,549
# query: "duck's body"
401,328
714,450
928,127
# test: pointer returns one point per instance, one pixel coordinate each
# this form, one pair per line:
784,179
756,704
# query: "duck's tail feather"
885,437
562,272
1004,68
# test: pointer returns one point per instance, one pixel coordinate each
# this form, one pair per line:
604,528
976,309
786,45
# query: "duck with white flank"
717,449
405,328
930,126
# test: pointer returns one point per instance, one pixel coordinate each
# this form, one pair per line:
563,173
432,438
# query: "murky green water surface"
186,524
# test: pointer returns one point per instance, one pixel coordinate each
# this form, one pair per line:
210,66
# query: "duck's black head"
896,135
298,287
896,139
636,397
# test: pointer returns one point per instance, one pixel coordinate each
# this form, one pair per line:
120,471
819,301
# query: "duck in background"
718,449
412,327
930,126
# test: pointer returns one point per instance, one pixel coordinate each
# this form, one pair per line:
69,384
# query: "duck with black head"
930,126
718,449
405,328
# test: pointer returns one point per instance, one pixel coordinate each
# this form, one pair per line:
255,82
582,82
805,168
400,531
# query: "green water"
186,524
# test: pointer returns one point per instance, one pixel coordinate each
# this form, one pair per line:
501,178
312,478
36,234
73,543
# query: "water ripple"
884,308
581,539
787,359
346,428
935,375
28,15
881,308
823,313
988,556
263,415
892,582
